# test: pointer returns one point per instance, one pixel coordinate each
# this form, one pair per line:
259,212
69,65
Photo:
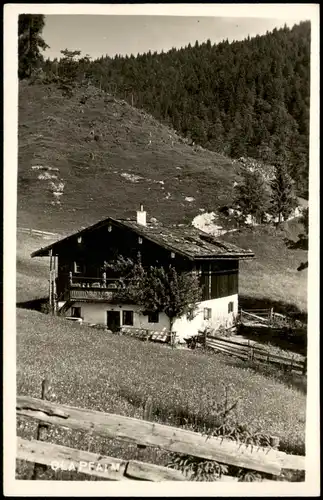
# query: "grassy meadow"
32,274
271,279
98,175
117,374
92,369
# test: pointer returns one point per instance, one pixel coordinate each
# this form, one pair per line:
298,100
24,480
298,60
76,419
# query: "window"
230,307
207,313
76,312
153,317
77,267
127,318
190,315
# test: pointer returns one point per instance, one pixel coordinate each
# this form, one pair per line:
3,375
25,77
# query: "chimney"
141,216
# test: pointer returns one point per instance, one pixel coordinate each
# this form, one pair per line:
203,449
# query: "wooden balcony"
91,289
90,294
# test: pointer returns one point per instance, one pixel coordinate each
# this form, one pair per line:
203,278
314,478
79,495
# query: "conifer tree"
283,199
30,43
251,196
247,98
69,69
302,242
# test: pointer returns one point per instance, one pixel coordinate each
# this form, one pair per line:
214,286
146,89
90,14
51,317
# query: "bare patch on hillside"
111,154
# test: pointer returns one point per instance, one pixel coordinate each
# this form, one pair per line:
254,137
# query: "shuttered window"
127,318
207,313
153,317
76,312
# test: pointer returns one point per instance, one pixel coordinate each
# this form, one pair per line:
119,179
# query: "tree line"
262,197
247,98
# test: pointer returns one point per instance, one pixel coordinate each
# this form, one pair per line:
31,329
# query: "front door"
113,320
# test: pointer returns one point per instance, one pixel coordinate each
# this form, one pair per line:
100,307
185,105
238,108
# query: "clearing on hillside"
105,157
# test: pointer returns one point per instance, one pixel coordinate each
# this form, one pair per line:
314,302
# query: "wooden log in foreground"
169,438
114,469
104,467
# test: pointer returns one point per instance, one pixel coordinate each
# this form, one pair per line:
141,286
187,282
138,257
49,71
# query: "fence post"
205,337
274,442
271,313
173,339
147,414
305,366
41,427
148,409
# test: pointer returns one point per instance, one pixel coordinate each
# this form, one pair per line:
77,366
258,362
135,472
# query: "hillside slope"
272,279
269,280
112,175
245,98
108,158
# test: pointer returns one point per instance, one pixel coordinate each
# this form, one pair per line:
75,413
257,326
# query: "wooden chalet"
79,287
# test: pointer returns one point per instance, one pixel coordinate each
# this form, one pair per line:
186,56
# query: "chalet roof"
188,240
185,240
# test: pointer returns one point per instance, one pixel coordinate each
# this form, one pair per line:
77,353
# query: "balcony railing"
89,288
88,282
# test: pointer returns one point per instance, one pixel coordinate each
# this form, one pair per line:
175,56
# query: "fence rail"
259,316
113,469
93,282
265,315
142,432
249,352
36,231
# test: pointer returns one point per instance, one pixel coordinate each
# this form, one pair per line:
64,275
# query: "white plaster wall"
96,312
219,317
92,312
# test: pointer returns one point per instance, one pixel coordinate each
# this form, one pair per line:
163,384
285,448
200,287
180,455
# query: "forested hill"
247,98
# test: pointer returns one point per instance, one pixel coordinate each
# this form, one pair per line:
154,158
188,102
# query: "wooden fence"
36,232
249,352
141,432
265,316
230,347
257,315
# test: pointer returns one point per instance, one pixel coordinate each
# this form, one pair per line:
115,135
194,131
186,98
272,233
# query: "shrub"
221,421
